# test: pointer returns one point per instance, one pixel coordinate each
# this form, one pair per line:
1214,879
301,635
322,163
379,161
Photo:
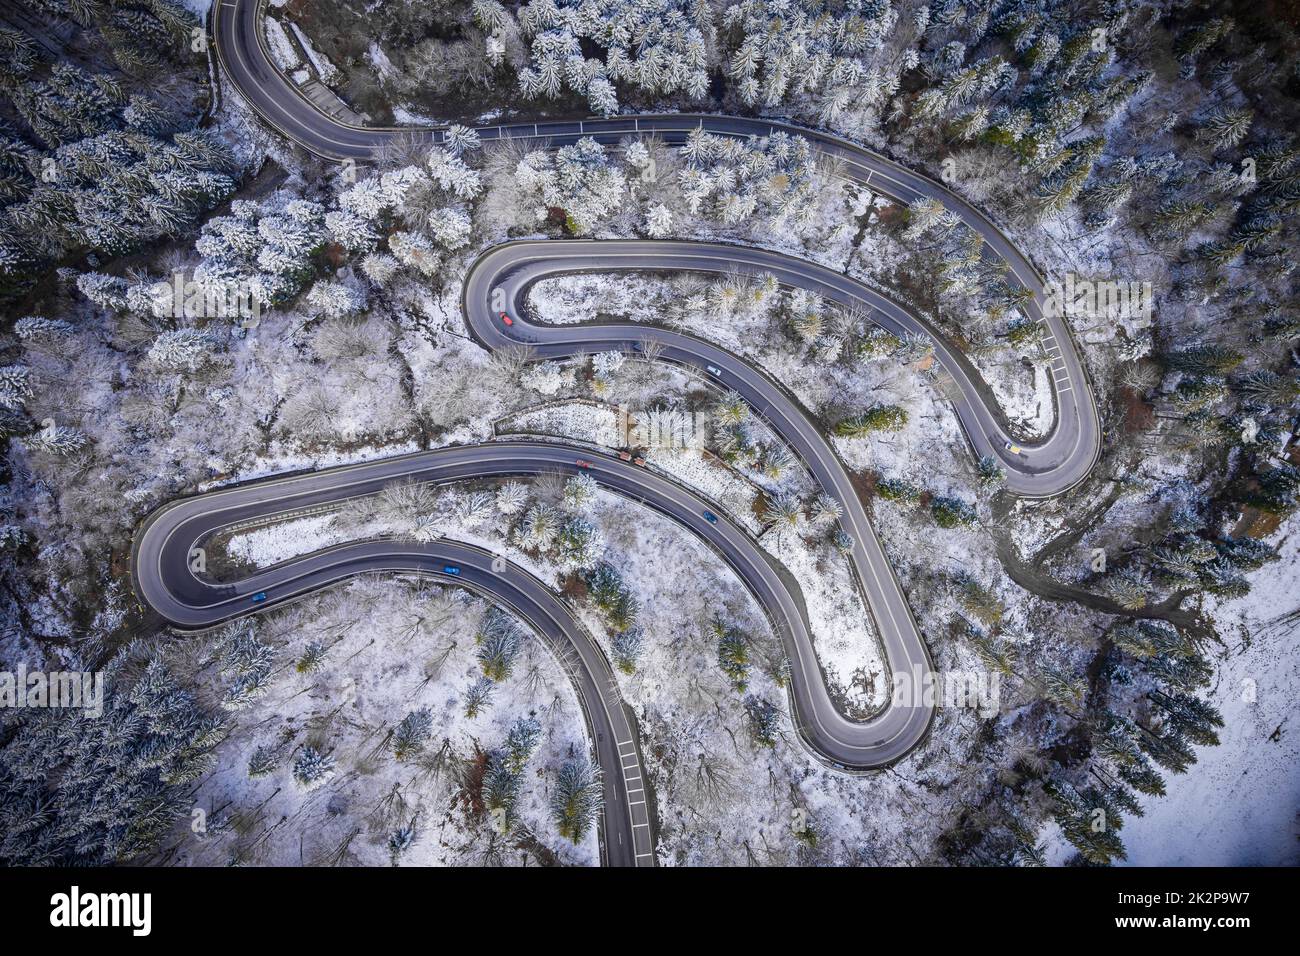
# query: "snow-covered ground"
394,646
1239,804
600,425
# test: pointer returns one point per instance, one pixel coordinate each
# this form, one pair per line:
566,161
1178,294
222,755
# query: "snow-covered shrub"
548,378
413,250
334,299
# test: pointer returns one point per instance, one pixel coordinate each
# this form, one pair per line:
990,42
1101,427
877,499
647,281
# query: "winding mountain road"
1047,467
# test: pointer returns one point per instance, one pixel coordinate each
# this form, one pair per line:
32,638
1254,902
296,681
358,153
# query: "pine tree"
183,350
627,646
502,786
979,601
733,654
521,742
991,472
1226,127
111,787
478,696
576,798
313,657
764,721
580,492
312,768
58,440
539,527
897,489
579,542
1196,719
1279,490
412,733
1204,360
511,498
1127,588
264,761
949,512
879,417
499,641
399,841
15,385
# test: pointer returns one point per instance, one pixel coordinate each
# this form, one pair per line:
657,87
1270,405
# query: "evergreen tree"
412,733
764,721
80,791
949,512
521,741
627,646
499,641
878,417
478,696
312,768
576,798
733,654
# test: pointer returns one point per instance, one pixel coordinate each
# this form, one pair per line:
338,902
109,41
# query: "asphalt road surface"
161,562
1046,467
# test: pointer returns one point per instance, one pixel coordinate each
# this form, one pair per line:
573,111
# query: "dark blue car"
710,517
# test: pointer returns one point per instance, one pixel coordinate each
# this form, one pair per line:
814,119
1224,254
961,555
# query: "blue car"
259,597
710,517
451,569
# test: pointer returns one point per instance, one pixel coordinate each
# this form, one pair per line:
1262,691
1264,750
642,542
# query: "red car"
583,463
506,319
625,456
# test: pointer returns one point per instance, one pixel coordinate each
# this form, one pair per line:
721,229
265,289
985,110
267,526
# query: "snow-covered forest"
1140,626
